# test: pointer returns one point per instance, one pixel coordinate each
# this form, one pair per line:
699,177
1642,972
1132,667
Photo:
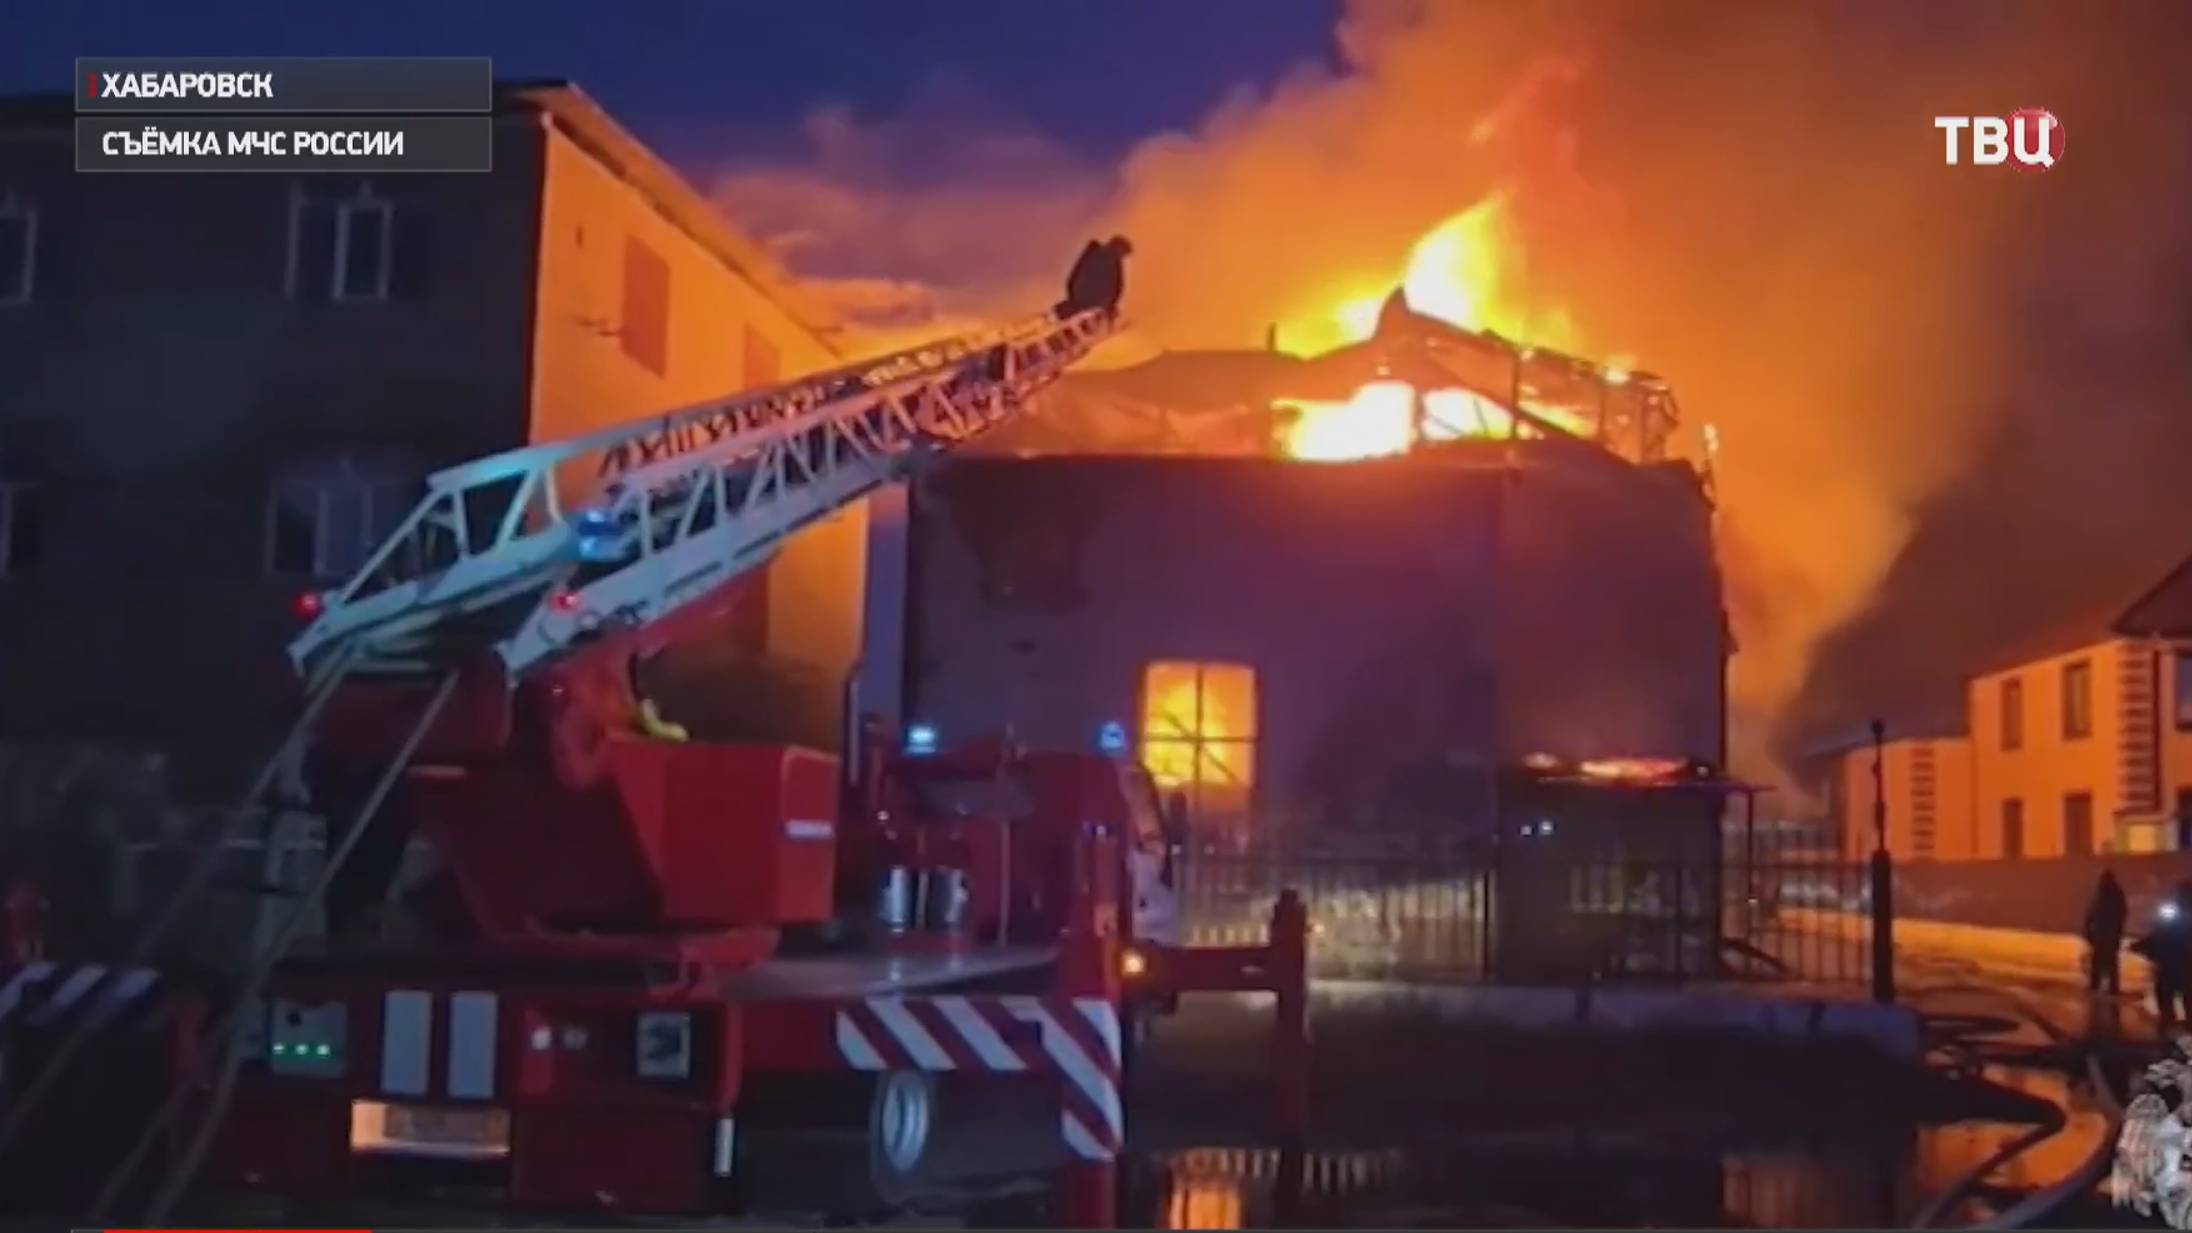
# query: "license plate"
421,1130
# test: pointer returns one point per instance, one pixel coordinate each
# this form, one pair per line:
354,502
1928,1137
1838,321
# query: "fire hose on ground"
2041,1203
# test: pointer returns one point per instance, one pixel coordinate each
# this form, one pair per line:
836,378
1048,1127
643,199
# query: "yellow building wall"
1956,829
2046,766
2176,701
1952,835
583,378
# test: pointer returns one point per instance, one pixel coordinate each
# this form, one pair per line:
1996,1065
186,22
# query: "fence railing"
1542,920
1368,918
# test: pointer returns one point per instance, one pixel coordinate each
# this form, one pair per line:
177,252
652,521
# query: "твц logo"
2031,135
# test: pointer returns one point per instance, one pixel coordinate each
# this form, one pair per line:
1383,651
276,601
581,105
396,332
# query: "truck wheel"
900,1121
845,1145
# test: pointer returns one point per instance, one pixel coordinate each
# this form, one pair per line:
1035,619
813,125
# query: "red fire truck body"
662,955
644,952
668,950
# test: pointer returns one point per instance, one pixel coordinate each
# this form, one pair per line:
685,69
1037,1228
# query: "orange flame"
1467,271
1632,769
1379,420
1198,727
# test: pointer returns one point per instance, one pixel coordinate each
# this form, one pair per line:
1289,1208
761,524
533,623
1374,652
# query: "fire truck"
670,957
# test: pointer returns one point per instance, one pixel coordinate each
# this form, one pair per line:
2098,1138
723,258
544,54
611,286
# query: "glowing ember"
1632,769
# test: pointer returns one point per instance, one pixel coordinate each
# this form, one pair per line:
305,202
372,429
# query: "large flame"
1467,270
1379,420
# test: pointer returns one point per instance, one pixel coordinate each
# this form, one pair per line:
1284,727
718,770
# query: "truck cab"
995,842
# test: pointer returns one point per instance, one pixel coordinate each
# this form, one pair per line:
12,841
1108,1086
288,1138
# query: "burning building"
1334,593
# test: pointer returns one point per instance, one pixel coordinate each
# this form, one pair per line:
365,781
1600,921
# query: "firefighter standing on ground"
2169,949
2104,930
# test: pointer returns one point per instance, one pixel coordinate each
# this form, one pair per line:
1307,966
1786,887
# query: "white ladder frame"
682,503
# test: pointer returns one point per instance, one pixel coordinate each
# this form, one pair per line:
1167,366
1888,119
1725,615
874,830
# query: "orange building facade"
2079,752
1928,788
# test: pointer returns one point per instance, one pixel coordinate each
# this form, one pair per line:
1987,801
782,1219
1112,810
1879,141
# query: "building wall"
1611,626
2157,740
1369,599
2048,765
1928,787
158,377
2175,670
721,333
166,373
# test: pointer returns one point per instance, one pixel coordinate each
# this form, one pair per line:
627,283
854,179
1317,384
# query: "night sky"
684,76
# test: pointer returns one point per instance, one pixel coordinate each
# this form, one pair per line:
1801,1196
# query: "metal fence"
1557,921
1377,918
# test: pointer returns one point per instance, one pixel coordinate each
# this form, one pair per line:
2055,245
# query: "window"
364,244
22,526
326,525
18,248
342,246
2013,828
2077,824
2077,700
761,365
2181,699
2013,714
1199,734
644,329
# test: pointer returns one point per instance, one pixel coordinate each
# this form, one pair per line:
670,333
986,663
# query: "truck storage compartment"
676,835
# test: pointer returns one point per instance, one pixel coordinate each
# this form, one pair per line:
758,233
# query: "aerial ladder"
545,567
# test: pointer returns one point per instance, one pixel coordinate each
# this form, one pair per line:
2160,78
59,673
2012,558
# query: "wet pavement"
1551,1130
1482,1130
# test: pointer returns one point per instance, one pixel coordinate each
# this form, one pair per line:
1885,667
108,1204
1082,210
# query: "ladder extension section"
677,505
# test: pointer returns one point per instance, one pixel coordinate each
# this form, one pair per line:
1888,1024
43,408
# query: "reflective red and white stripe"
1075,1038
45,995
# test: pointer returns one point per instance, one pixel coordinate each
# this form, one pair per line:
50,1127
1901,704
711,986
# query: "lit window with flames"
1199,733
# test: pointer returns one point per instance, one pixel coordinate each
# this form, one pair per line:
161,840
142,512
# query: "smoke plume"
1749,199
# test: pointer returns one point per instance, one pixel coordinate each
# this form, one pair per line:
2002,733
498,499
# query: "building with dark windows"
222,389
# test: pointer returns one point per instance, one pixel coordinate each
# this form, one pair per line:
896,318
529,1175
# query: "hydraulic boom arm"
676,506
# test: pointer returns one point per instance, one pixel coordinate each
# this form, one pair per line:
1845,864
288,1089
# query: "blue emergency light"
596,535
1111,738
921,739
